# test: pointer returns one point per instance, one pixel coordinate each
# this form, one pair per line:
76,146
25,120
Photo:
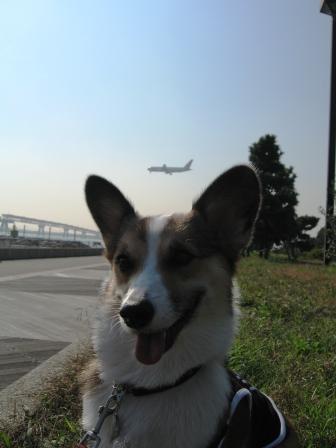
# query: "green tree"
277,220
302,242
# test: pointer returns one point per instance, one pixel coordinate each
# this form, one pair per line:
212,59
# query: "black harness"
254,420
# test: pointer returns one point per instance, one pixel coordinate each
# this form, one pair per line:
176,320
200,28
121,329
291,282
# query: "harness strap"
240,417
254,421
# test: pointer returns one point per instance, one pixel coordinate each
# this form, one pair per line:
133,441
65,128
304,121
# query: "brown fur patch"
188,231
200,277
133,244
193,233
188,276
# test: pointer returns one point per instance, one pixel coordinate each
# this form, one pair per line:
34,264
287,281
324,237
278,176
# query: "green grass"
56,422
286,346
287,342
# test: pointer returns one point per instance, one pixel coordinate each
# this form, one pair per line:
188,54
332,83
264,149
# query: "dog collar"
141,391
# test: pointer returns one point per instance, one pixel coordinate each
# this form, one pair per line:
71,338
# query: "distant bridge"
43,229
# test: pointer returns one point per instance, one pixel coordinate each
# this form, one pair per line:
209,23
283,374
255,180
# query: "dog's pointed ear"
229,207
109,208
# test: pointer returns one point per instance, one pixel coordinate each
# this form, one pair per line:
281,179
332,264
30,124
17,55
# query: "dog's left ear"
109,208
229,207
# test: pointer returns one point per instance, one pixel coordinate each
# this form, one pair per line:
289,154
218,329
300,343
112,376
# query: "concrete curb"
45,252
22,397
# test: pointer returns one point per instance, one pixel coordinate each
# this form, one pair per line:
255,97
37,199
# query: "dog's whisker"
115,310
114,325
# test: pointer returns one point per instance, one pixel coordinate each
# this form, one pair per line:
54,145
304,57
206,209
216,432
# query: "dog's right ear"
109,208
229,207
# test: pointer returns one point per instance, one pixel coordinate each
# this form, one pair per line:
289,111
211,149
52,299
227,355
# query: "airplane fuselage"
170,169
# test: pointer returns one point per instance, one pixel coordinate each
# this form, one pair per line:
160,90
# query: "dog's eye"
180,258
124,262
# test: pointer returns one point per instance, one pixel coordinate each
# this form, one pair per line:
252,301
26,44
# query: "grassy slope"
56,422
286,346
287,342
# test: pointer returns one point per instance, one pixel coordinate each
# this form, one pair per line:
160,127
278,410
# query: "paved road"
44,305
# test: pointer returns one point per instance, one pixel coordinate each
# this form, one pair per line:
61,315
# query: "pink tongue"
150,347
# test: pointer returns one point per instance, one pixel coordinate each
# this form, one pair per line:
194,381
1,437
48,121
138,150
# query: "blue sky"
112,87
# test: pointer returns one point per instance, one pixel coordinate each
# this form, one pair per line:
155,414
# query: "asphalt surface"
44,305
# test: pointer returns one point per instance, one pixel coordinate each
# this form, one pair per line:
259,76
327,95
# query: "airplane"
171,169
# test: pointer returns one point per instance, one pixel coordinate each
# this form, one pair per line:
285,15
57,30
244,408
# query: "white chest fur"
185,416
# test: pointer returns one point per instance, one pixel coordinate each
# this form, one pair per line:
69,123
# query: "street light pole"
329,7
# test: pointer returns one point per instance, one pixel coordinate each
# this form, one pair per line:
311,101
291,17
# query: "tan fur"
133,242
182,282
190,232
134,233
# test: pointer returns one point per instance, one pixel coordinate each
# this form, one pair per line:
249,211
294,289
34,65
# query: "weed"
5,439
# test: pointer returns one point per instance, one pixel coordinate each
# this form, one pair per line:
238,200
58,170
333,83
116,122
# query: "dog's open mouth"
150,347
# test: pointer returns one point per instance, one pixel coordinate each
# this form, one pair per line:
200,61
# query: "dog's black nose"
139,315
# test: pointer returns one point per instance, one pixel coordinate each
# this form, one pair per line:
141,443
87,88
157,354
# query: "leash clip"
111,407
90,436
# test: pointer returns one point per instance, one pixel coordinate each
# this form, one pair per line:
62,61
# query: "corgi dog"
166,321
